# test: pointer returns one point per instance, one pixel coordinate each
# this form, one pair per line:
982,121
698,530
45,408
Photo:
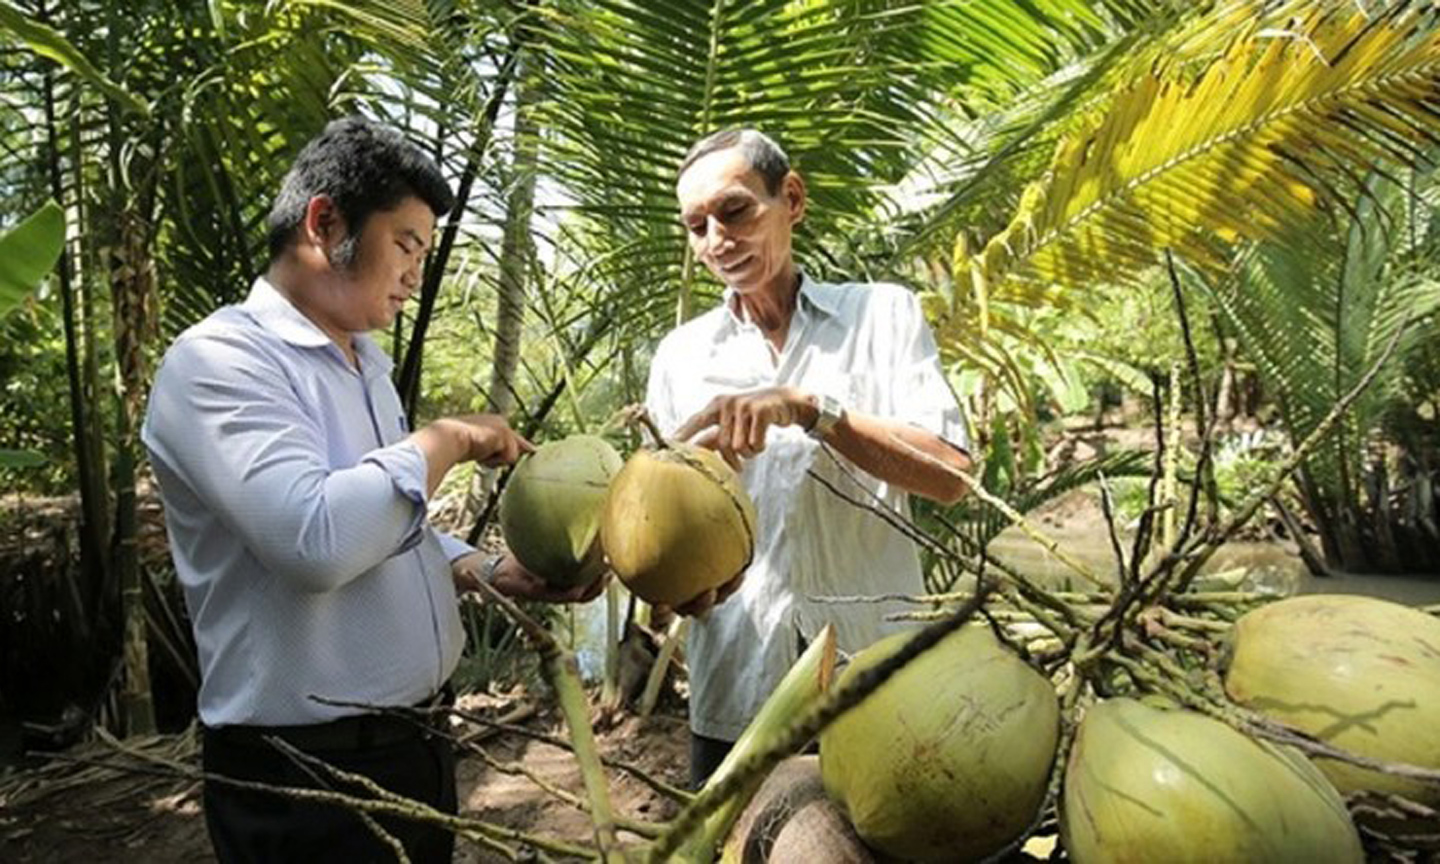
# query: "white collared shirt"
296,517
869,346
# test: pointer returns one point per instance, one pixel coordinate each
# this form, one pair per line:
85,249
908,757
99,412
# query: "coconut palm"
1314,325
1237,126
856,91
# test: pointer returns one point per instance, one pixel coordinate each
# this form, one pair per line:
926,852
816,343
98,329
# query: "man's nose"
715,234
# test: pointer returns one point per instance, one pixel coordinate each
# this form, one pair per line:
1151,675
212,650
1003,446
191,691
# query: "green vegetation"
1029,169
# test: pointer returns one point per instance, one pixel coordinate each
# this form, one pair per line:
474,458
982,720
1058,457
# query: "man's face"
735,226
386,266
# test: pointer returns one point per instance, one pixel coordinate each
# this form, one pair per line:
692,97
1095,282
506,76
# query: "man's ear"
793,188
323,225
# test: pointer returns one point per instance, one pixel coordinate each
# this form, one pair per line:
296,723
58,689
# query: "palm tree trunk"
407,375
90,470
131,270
515,245
132,283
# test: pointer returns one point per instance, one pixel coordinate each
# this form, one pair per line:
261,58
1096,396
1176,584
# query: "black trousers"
706,754
255,826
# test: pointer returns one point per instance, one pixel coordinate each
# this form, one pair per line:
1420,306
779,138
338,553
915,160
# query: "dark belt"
358,732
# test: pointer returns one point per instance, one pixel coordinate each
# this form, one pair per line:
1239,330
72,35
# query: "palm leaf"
1315,324
49,42
851,90
1202,152
28,252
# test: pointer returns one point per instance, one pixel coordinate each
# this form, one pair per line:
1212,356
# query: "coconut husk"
790,819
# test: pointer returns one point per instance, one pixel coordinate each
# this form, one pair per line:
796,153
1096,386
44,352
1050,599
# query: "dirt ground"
69,811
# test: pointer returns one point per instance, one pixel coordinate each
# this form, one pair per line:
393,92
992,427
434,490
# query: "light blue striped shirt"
296,517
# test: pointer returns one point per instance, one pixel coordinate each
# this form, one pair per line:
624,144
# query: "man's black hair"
763,154
365,167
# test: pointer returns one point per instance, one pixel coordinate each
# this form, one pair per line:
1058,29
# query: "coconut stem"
515,769
1015,516
637,415
906,526
673,638
383,803
563,674
672,792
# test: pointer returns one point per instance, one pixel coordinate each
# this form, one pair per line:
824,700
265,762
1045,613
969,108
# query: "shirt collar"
274,311
821,296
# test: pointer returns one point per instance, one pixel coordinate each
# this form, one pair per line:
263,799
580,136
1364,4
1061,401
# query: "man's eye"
731,214
696,228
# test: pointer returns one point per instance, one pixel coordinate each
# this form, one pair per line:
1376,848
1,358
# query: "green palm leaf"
28,253
49,42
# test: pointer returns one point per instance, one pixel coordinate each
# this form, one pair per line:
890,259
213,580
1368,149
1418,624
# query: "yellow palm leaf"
1195,155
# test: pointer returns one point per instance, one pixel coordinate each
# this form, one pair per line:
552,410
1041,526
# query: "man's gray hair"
759,149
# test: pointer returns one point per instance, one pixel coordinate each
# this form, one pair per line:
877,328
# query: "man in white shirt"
781,367
295,505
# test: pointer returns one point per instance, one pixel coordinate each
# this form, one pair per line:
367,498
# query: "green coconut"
677,523
550,509
1155,784
1359,673
949,759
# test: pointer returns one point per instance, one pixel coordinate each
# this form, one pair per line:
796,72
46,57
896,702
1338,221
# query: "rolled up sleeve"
225,420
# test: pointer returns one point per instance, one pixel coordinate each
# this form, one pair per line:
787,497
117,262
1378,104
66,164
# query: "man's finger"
726,422
755,434
710,439
705,417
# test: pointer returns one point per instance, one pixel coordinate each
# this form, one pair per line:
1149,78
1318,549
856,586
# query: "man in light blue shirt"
295,504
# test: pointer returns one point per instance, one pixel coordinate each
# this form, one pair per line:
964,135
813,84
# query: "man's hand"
734,425
512,579
483,438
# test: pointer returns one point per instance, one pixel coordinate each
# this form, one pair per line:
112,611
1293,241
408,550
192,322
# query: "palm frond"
1200,153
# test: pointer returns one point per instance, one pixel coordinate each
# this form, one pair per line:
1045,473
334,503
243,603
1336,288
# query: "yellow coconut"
677,523
550,509
1154,784
1359,673
949,759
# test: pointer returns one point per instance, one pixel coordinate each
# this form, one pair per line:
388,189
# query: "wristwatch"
487,570
829,411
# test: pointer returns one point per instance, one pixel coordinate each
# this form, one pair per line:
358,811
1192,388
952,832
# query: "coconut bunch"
1212,731
672,522
1140,721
